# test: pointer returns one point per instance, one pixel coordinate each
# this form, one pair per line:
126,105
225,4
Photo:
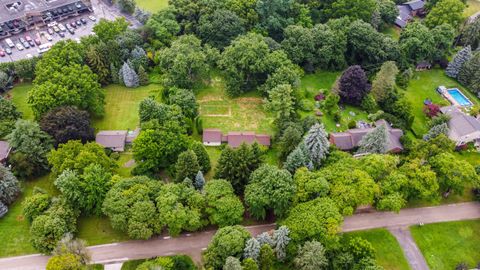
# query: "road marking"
204,248
166,237
105,245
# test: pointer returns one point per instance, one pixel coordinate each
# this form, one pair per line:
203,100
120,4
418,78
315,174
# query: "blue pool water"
459,97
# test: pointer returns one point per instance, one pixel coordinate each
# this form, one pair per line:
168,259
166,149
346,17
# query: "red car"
38,41
2,52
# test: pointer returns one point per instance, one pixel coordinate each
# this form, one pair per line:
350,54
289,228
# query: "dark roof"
460,124
113,139
424,64
235,139
212,136
4,150
415,4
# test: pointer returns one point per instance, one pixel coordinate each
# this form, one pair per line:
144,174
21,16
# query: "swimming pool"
459,97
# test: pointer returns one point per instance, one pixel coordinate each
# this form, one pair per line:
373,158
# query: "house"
424,65
214,137
4,151
350,139
116,139
463,128
408,10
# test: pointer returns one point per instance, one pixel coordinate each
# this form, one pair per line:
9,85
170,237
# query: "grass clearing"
19,95
392,31
121,106
444,245
152,5
473,6
389,254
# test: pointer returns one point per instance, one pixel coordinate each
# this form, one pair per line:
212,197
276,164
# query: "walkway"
193,244
412,253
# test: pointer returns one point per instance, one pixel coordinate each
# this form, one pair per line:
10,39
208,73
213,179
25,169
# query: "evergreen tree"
186,166
142,76
128,75
265,239
199,181
376,141
232,263
202,156
249,264
317,144
298,158
252,249
9,186
114,73
266,258
281,239
435,131
456,64
470,73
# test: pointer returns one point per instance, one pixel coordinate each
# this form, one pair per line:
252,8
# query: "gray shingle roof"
415,4
113,139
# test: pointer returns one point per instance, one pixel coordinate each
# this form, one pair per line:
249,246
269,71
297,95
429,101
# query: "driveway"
193,244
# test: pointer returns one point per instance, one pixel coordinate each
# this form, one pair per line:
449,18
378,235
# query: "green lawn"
473,7
444,245
121,106
152,5
388,251
19,97
392,31
423,86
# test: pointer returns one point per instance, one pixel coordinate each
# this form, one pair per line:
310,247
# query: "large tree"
309,185
222,206
185,99
459,59
469,75
186,166
220,27
353,85
109,30
281,102
8,116
311,256
269,189
417,43
275,15
316,143
453,174
202,156
354,9
162,27
9,186
471,34
446,12
384,82
67,123
375,141
30,148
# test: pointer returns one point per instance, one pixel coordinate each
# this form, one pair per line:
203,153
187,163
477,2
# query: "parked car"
9,43
2,52
91,17
26,45
50,31
61,34
30,41
49,38
72,24
56,29
82,20
19,46
62,28
38,41
78,23
70,30
8,51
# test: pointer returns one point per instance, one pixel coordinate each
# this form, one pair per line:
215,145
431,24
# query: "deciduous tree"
446,12
227,241
222,206
453,174
220,27
8,116
353,85
186,166
311,256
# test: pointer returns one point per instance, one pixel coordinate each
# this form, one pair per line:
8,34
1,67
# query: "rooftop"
4,150
461,125
113,139
17,9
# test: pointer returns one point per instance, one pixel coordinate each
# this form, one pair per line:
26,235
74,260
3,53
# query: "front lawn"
152,5
389,254
121,106
444,245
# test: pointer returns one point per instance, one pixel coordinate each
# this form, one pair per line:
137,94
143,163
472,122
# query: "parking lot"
100,10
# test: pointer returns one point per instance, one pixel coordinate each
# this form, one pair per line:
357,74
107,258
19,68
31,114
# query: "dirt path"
412,253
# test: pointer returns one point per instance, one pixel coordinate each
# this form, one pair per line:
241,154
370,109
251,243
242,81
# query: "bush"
306,105
199,125
352,124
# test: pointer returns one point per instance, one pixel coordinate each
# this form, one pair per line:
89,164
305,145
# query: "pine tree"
435,131
376,141
232,263
311,256
265,239
456,64
298,158
128,75
317,144
252,249
281,239
202,156
9,186
142,76
199,181
186,166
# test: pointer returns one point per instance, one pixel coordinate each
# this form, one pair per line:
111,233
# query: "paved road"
193,244
412,253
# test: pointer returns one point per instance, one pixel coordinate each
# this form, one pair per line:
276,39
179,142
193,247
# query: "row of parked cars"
27,42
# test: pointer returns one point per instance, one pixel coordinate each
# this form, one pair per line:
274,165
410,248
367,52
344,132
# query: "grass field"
444,245
423,86
152,5
473,7
244,113
388,251
392,31
121,106
19,96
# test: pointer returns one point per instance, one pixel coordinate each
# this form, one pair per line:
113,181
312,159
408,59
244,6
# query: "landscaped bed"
445,245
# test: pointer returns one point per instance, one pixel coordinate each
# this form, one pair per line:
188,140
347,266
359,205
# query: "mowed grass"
388,252
473,6
423,86
244,113
392,31
121,106
152,5
19,95
444,245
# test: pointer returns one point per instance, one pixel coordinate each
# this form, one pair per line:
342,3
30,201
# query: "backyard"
445,245
152,5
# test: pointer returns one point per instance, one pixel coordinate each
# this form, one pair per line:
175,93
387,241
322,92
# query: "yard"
444,245
152,5
473,7
19,96
388,252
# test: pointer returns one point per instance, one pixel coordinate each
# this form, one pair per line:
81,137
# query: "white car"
61,27
52,24
19,47
91,17
48,37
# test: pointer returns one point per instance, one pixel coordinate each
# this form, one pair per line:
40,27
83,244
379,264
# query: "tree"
443,36
435,131
138,58
316,219
8,116
76,156
422,180
199,181
252,249
281,102
375,141
186,166
388,11
298,158
66,261
127,6
128,76
202,156
220,27
384,82
274,16
353,85
130,206
471,34
416,43
316,143
222,206
446,12
36,204
265,239
469,75
311,256
185,99
184,63
281,239
142,76
289,140
163,27
266,258
67,123
149,110
70,245
232,263
354,9
236,165
453,174
309,185
269,188
32,144
459,59
9,186
249,264
227,242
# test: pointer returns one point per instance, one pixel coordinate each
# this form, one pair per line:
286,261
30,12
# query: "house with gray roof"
463,128
4,151
350,139
408,10
116,139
